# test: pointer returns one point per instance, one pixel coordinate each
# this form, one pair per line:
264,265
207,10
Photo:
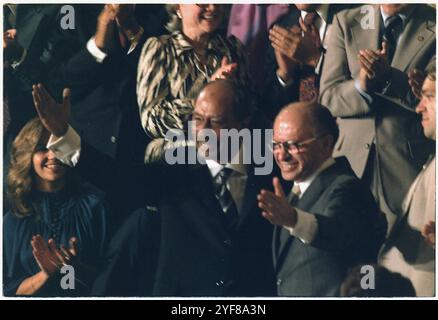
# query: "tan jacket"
406,251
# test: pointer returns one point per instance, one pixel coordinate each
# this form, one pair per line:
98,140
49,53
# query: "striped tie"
224,197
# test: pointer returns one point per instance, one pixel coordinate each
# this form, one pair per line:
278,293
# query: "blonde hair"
20,176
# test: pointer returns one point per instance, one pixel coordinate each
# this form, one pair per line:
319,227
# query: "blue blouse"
80,213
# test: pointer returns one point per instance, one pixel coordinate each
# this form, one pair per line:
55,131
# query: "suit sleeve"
338,91
83,73
399,91
275,94
351,223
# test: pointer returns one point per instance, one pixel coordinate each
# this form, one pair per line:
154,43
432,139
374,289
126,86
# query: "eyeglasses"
291,146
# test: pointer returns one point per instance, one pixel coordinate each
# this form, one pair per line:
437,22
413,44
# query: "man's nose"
283,155
420,107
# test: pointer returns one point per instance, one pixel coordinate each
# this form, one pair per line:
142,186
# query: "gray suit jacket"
390,120
350,231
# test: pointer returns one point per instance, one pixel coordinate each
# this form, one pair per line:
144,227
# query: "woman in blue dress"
55,232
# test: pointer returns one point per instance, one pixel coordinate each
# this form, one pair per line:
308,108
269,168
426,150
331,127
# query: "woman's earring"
178,13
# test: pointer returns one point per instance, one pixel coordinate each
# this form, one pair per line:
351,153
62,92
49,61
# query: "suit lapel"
253,186
367,38
417,32
209,219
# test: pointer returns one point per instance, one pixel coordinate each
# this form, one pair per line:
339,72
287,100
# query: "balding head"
221,105
227,96
313,129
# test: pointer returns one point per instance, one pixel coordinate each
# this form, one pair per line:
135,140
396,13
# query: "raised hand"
54,116
124,14
106,22
276,208
225,71
375,67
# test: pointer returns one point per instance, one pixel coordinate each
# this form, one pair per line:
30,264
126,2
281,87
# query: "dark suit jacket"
350,231
104,106
48,47
275,95
198,254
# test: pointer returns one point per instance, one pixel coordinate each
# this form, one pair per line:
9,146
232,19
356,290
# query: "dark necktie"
393,28
308,79
224,197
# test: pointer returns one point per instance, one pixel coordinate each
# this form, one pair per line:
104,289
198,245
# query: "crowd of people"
347,93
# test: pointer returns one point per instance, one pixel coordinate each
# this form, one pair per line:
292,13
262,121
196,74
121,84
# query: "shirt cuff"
92,48
306,227
368,98
67,148
283,83
16,64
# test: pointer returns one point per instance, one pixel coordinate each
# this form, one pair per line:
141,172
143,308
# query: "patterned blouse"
170,76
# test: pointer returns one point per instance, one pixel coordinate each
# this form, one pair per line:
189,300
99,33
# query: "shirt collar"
404,16
182,44
237,166
304,185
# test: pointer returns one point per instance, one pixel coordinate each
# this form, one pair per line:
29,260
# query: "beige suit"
390,120
406,251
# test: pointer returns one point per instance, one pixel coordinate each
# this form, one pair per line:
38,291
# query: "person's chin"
288,175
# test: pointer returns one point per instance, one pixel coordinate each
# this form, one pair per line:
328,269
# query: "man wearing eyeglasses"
330,221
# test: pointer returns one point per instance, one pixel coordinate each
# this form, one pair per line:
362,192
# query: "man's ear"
329,142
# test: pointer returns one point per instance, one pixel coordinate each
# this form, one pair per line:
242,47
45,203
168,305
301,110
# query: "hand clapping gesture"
374,67
225,71
49,257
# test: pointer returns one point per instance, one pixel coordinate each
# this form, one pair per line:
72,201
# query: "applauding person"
55,219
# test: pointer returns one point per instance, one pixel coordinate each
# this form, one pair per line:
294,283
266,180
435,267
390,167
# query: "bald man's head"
221,105
304,136
309,117
231,98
